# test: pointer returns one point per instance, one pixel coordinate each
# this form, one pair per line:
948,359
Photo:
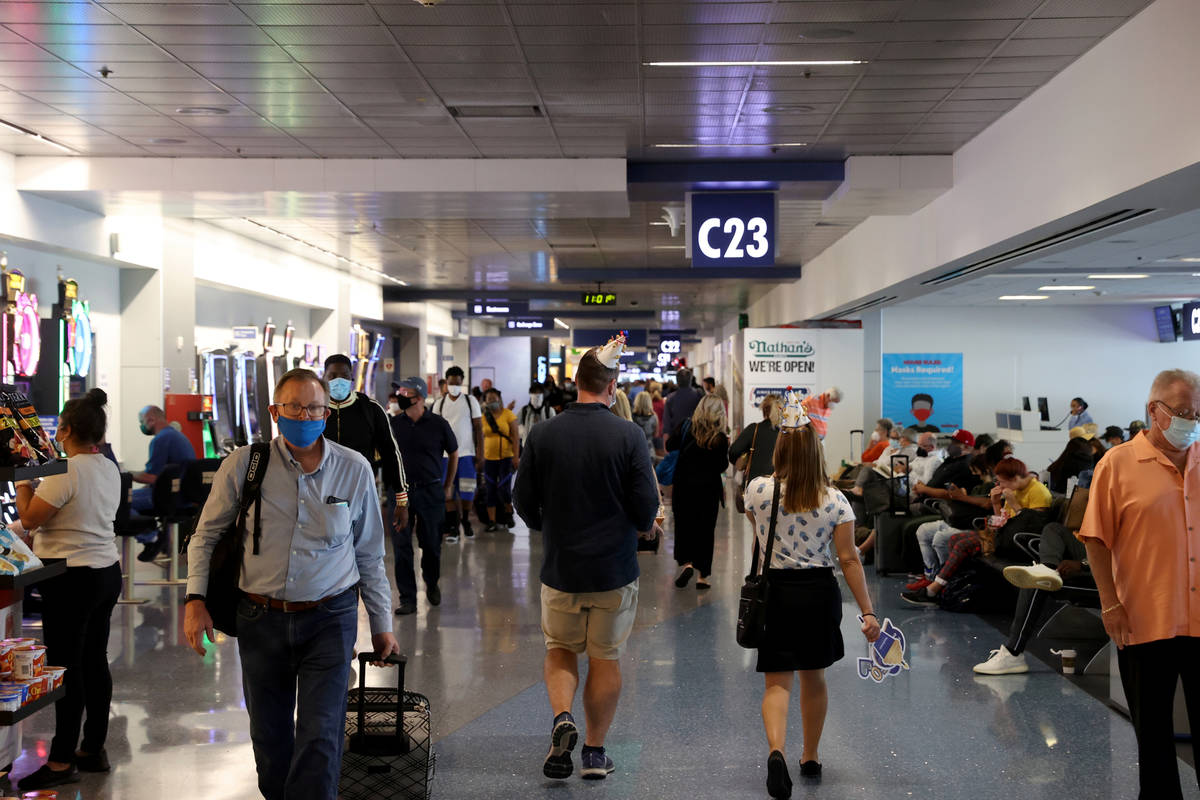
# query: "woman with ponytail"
70,516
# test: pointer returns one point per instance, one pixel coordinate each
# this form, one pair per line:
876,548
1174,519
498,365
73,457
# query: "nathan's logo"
762,349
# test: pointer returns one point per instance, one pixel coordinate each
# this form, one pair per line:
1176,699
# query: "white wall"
219,309
510,357
1108,355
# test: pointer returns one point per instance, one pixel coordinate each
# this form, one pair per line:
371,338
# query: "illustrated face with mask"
300,409
1179,427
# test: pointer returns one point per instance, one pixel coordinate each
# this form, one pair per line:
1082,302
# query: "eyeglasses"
315,411
1190,416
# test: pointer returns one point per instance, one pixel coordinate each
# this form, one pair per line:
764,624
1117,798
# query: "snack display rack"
14,474
9,718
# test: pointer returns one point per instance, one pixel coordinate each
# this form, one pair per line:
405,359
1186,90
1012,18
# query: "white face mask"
535,400
453,390
875,437
1182,433
393,408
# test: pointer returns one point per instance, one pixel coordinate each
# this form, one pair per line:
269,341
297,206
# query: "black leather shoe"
405,608
434,595
150,550
46,778
779,783
810,769
94,762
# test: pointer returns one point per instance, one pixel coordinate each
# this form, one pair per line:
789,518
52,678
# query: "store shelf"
13,717
13,474
51,569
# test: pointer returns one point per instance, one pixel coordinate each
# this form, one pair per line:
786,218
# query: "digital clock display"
599,299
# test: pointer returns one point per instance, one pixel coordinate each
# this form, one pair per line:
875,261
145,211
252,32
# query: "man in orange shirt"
1142,545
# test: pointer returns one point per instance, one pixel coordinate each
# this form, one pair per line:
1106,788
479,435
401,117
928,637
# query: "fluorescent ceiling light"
8,126
1064,288
327,253
1188,260
561,324
1024,297
751,63
1117,276
736,144
669,247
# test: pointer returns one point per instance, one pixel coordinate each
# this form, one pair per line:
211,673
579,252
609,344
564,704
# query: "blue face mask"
301,432
339,388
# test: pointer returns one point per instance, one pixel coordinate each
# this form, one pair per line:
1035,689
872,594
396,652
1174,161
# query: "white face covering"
535,400
454,390
393,408
1182,433
875,436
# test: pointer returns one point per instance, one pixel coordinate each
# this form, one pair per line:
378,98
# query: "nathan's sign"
793,357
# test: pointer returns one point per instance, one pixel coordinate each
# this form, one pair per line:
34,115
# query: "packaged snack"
14,550
29,662
14,449
10,700
34,689
31,427
5,657
13,686
56,676
8,568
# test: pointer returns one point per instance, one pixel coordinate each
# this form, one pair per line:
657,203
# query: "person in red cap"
955,471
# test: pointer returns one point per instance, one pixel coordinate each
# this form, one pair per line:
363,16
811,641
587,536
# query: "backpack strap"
256,469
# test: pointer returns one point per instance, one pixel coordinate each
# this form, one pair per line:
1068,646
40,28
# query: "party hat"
610,354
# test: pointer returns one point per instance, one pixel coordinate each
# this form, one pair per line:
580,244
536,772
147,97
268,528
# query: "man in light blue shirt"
321,545
168,446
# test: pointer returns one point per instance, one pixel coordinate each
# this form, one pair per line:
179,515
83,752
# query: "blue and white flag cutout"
886,655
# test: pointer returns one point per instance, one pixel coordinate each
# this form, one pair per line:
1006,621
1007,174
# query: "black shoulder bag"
752,605
225,567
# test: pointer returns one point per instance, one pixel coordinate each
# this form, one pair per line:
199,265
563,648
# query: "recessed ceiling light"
827,33
794,108
202,111
1064,288
1024,297
733,144
1117,276
751,63
165,140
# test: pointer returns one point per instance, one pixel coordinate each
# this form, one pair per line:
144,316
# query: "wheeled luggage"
387,755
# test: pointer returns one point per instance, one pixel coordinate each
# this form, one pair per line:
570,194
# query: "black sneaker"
434,595
46,778
405,608
594,765
468,531
150,550
93,762
779,783
563,738
918,597
491,527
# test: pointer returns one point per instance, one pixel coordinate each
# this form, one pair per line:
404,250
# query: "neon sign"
79,339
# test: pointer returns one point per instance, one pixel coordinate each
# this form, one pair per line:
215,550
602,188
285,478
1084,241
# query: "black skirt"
804,616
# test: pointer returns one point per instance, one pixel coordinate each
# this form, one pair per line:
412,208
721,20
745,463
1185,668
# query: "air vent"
878,301
494,112
1099,224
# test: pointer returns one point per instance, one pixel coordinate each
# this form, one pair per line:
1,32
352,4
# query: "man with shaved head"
168,446
1142,533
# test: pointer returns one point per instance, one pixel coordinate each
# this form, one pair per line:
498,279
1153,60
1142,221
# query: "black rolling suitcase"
387,754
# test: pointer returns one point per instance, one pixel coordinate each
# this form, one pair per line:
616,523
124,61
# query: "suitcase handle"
395,659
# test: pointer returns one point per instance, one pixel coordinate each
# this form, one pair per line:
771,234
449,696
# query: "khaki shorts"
598,622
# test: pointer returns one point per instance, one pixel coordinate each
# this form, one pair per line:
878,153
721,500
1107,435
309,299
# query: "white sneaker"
451,540
1002,662
1038,576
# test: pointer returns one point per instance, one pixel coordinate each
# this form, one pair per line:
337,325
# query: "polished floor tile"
688,725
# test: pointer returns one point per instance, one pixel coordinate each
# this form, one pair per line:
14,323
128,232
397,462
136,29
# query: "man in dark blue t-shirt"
168,446
585,481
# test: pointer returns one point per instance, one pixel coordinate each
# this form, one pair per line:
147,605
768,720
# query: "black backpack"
976,589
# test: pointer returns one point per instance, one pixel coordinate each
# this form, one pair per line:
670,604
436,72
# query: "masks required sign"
924,390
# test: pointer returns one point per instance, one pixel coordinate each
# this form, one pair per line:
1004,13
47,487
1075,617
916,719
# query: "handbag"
665,471
739,499
225,565
752,604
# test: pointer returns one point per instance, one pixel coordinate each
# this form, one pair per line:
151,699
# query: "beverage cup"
1068,662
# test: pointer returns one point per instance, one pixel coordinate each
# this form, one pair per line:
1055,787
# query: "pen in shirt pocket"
336,501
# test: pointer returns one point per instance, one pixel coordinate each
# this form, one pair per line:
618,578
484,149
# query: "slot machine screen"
250,375
222,407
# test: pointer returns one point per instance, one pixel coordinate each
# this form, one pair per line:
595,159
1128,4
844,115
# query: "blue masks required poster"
924,390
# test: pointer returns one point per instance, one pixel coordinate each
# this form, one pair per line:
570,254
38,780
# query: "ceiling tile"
264,71
446,14
452,35
585,35
242,54
77,34
464,54
204,34
566,14
923,50
809,12
1015,79
1020,48
323,14
159,13
1027,64
1092,8
343,35
1066,28
936,10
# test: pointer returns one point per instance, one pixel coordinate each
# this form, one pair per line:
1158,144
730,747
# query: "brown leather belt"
286,606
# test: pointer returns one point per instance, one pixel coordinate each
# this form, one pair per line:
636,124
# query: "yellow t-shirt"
1035,495
496,446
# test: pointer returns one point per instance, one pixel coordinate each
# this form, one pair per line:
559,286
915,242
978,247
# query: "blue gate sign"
731,229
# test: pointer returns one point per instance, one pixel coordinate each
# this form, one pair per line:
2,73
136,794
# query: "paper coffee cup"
1068,661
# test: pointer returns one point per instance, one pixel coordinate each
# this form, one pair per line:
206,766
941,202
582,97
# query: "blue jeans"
299,658
142,501
426,513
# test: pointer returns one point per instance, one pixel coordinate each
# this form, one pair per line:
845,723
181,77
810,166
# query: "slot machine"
372,364
20,332
216,382
67,350
267,366
245,366
360,355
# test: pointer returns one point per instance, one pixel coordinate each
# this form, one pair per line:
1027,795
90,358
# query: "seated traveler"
168,446
880,439
1018,499
961,508
1075,458
955,469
